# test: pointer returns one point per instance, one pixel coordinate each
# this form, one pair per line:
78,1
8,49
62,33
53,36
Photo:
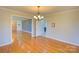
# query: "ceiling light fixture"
38,17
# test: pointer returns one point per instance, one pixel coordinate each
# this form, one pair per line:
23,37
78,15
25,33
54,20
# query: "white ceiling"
43,9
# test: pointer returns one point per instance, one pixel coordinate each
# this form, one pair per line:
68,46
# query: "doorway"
21,28
41,27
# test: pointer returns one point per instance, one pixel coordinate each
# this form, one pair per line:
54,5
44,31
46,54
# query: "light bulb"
35,17
38,16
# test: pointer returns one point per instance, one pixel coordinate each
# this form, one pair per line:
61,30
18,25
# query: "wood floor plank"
25,43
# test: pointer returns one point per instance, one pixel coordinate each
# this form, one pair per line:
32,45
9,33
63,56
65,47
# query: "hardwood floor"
23,42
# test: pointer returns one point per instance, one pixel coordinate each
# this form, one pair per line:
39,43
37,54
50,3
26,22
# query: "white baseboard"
6,44
26,31
63,41
36,35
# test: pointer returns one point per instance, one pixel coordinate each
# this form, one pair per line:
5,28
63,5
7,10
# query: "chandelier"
38,16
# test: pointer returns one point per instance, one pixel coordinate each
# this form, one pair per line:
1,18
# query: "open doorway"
21,29
41,27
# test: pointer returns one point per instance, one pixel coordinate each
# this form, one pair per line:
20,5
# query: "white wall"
5,29
5,24
66,26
